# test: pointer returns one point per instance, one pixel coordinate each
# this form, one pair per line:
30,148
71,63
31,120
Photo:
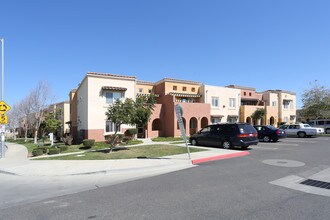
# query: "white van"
321,123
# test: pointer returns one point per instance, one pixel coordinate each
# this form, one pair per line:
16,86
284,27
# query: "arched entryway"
192,125
156,125
204,122
262,121
248,120
272,121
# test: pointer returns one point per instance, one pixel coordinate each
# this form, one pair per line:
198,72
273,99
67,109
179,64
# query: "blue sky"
259,43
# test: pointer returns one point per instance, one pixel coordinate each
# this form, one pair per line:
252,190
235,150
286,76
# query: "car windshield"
247,129
271,127
306,126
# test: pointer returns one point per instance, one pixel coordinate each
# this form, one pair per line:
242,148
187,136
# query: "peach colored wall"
156,114
145,88
254,94
169,87
190,110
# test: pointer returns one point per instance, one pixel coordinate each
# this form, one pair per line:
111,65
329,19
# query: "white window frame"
107,100
112,127
274,103
215,102
232,102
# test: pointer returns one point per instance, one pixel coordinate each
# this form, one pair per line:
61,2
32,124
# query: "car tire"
226,144
194,142
266,139
301,134
245,147
275,139
327,131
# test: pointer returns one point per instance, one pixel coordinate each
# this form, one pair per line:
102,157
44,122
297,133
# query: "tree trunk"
25,134
35,137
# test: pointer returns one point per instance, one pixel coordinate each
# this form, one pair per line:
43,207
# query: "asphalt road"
238,188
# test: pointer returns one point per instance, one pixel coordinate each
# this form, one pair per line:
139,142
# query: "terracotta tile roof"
111,75
185,95
114,88
178,81
145,82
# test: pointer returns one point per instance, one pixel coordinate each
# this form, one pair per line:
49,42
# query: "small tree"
120,113
316,101
258,114
51,123
144,106
129,112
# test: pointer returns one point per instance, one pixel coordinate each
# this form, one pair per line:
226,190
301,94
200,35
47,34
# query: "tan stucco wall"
169,87
287,112
145,88
82,105
97,105
223,94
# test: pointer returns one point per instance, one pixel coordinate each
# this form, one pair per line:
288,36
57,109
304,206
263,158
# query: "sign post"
3,106
179,112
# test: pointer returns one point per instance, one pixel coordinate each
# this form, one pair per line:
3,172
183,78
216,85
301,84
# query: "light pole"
2,91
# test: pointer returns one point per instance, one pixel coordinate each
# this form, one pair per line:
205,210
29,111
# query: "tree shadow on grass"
107,150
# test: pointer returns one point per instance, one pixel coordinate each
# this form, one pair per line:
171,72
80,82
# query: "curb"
220,157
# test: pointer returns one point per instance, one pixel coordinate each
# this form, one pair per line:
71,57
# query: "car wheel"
244,147
327,131
301,134
226,144
275,139
266,139
194,142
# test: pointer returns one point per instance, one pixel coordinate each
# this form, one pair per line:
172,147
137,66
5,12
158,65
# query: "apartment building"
196,113
201,104
225,103
62,109
92,98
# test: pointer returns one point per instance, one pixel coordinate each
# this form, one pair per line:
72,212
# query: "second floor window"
193,89
175,88
184,88
215,102
232,102
274,103
112,96
140,90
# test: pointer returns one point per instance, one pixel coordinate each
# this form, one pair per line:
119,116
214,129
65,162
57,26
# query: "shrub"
63,148
37,152
89,143
53,150
131,132
44,149
126,139
67,140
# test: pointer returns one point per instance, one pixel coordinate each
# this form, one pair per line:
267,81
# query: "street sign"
3,119
179,111
4,107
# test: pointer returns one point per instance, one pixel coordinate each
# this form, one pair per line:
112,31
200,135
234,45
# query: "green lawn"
149,151
72,148
167,139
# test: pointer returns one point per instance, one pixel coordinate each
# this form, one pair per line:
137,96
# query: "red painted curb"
220,157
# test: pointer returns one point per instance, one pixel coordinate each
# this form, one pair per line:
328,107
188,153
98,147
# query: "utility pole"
2,94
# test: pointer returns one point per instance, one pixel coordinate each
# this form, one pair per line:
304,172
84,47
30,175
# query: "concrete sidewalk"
17,163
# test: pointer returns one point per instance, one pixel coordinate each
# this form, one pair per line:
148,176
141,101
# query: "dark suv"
226,136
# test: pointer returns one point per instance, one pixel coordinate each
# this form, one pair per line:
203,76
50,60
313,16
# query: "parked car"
226,136
321,123
269,133
300,130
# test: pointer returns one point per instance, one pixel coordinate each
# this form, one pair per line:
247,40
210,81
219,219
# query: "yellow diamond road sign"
3,119
4,107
